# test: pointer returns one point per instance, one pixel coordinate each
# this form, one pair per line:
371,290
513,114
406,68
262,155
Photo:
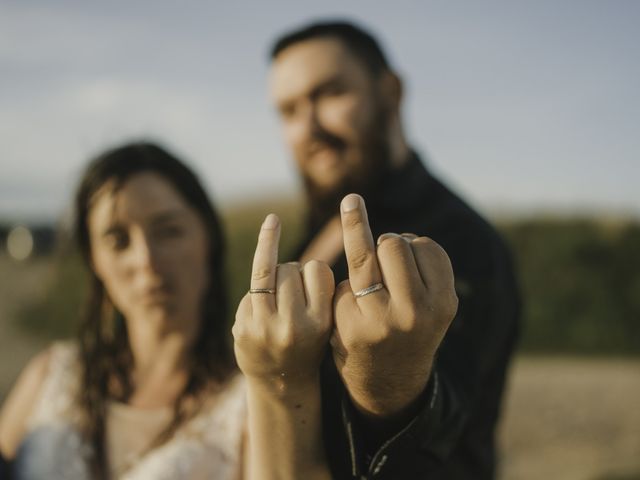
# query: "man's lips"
323,159
326,143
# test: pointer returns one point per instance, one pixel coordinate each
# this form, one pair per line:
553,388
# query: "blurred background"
530,110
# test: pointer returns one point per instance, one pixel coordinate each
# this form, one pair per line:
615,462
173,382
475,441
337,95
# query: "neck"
398,146
161,359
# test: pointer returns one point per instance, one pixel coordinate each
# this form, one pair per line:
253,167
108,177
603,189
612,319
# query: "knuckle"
379,335
369,338
409,235
312,267
288,269
447,304
410,321
236,330
424,243
287,339
240,331
261,273
437,249
393,246
316,265
320,271
359,258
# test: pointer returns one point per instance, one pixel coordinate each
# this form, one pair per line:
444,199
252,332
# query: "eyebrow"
168,215
162,217
336,78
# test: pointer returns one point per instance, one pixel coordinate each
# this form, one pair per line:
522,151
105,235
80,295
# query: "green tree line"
580,280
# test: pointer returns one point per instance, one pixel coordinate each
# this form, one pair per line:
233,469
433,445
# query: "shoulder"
34,373
21,400
472,242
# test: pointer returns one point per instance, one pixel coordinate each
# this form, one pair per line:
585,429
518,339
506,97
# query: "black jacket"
453,435
4,468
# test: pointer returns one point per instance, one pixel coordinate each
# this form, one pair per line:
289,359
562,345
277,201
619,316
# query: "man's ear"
391,90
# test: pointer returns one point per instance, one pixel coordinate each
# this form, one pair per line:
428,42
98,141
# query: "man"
392,408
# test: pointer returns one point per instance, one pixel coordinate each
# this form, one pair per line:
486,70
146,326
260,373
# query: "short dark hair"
360,42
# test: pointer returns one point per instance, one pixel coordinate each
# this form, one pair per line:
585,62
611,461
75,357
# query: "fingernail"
386,236
350,202
270,222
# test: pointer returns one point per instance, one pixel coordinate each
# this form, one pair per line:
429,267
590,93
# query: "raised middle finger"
359,248
265,261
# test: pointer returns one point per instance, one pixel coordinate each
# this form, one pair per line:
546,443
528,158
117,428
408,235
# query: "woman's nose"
145,254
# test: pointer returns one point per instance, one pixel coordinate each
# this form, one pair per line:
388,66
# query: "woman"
150,389
153,345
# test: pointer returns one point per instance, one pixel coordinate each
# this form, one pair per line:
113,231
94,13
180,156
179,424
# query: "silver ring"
262,290
366,291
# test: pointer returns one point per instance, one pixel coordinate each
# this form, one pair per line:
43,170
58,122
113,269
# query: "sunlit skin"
150,249
327,102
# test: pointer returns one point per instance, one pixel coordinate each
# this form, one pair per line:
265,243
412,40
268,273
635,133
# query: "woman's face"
150,250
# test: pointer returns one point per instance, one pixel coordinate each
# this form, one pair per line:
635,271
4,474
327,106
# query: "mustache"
323,139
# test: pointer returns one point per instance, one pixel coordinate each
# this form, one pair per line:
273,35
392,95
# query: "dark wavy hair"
105,354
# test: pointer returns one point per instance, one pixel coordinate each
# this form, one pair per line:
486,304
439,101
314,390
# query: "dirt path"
572,419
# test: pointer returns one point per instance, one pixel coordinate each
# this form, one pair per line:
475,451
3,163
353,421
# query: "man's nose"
309,122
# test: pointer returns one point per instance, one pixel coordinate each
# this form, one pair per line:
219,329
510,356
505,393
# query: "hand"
384,342
281,332
280,337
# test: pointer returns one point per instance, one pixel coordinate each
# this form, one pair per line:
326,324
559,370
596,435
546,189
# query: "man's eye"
332,90
287,111
118,241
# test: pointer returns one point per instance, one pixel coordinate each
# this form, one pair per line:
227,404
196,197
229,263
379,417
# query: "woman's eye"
118,241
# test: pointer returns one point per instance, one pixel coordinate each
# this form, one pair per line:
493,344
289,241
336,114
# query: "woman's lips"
157,294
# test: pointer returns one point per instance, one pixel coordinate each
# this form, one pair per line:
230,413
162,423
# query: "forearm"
389,399
380,427
285,432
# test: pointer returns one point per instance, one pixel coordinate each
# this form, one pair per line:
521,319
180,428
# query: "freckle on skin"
298,405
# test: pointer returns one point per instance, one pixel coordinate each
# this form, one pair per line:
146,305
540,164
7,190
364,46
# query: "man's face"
332,115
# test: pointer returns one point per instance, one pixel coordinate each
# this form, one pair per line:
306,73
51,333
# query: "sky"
520,106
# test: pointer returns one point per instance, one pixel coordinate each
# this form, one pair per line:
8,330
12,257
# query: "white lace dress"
206,447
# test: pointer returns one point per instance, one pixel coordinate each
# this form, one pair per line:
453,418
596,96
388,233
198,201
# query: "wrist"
284,386
389,397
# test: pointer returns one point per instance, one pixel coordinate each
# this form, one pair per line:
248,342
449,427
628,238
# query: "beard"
363,179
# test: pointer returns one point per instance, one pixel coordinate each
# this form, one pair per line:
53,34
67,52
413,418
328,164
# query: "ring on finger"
262,290
370,289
